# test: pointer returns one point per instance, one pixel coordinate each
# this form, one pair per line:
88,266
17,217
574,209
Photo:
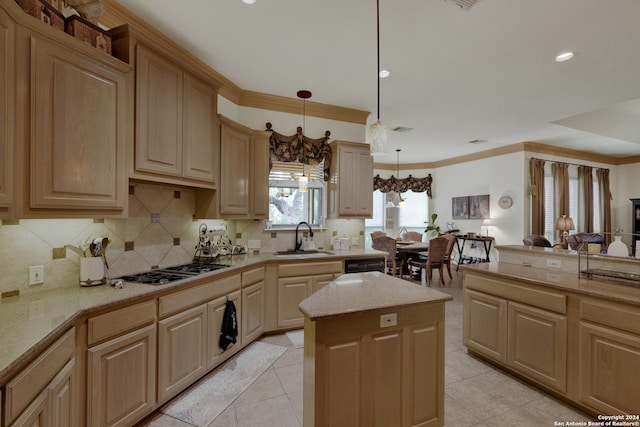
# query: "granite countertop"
30,322
361,292
570,282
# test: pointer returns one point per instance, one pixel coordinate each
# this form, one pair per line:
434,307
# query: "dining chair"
378,234
451,242
414,236
389,245
435,259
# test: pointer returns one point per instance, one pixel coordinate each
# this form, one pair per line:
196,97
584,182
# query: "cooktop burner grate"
171,274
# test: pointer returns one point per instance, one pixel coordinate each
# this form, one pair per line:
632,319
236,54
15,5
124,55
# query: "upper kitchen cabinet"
7,30
71,128
176,113
351,183
243,187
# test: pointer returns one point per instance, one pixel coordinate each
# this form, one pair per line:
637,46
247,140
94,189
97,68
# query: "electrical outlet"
387,320
355,241
36,274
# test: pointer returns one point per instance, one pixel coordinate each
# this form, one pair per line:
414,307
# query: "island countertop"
362,292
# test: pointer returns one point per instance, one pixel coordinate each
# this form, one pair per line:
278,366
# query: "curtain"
560,172
397,185
536,173
585,198
605,203
300,148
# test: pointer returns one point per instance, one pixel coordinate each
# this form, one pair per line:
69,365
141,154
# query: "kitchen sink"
312,252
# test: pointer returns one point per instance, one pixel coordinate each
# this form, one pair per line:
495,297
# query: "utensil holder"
92,271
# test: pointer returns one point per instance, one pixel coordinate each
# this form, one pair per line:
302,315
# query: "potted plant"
432,226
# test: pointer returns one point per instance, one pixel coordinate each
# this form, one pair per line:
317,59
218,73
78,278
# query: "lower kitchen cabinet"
177,366
215,316
609,354
121,378
524,329
44,393
253,312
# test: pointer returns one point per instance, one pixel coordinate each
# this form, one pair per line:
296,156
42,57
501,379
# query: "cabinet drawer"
252,276
116,322
510,289
619,316
191,297
23,389
309,268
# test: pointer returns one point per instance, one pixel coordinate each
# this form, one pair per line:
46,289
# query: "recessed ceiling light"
564,56
249,1
384,74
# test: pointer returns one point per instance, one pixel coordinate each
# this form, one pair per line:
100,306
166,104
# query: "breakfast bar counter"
374,353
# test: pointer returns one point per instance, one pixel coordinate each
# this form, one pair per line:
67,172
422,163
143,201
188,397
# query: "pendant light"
402,203
303,181
378,130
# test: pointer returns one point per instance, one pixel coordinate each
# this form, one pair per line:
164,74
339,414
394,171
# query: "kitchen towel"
229,330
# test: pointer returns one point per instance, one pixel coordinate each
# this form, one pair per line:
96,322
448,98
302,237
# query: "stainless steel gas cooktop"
171,274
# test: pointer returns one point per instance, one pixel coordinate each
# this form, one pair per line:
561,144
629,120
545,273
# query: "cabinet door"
36,414
182,350
538,344
252,312
235,150
485,324
260,175
363,190
7,85
199,129
318,282
121,379
348,180
605,369
291,292
159,103
63,398
215,315
78,121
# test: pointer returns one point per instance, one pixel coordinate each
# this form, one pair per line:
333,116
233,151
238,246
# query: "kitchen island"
374,353
574,337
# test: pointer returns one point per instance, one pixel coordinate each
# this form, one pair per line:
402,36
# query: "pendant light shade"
378,130
303,182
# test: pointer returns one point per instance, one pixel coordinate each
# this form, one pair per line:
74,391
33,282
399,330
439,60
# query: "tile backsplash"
159,231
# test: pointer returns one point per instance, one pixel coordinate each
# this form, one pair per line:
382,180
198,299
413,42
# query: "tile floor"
476,394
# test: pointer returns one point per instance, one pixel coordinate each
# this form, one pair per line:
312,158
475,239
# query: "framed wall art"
479,207
460,207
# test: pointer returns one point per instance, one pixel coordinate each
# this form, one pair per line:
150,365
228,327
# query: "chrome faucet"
298,244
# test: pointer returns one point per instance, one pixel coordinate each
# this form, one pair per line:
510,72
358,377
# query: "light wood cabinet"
121,378
296,281
609,351
215,315
182,350
485,324
74,125
253,305
235,166
175,121
357,373
44,393
520,327
351,183
259,175
7,108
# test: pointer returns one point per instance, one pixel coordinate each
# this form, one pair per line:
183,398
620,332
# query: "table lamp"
564,224
486,224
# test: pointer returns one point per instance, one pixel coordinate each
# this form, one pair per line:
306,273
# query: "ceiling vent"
402,129
463,4
477,141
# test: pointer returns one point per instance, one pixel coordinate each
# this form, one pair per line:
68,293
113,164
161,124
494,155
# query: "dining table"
408,249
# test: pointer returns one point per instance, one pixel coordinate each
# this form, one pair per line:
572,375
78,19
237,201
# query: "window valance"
402,185
300,148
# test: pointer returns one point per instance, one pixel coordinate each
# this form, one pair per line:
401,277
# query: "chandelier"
402,203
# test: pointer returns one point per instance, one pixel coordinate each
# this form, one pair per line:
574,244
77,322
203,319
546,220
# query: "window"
392,219
550,215
287,204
